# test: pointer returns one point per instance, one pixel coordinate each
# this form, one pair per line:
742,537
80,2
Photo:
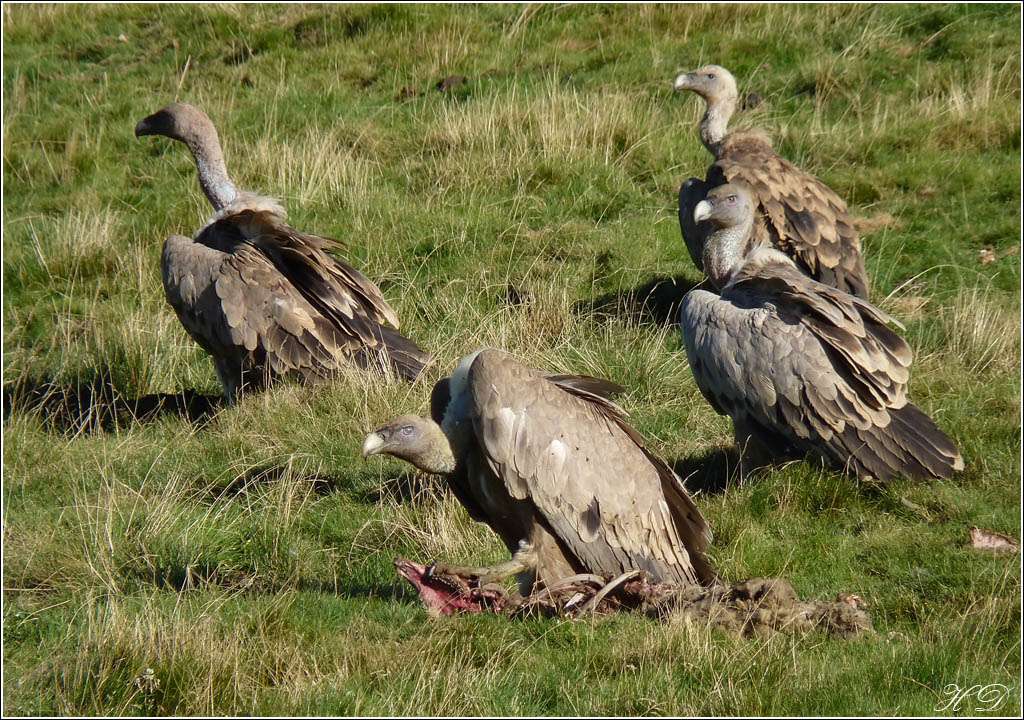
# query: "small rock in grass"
992,541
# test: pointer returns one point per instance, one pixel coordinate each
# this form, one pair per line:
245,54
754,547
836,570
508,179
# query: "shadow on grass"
98,405
266,475
396,591
655,302
711,472
406,487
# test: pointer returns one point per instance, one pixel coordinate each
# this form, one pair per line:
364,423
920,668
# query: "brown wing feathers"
346,313
570,451
854,410
804,218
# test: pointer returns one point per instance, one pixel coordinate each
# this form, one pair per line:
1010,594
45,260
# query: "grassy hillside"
163,559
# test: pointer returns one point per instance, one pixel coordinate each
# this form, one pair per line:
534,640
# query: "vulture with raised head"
798,214
264,299
551,465
799,366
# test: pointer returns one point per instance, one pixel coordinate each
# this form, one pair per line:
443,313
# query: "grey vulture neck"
213,172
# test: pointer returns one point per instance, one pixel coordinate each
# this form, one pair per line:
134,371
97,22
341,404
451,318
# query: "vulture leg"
229,372
523,560
238,378
755,450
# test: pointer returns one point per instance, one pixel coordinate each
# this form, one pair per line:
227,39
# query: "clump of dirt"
751,608
450,83
881,221
751,100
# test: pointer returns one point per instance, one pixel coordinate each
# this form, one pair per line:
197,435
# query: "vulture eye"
407,431
731,199
711,76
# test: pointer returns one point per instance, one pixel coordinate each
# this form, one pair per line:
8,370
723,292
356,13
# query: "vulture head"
712,82
718,88
417,440
725,206
729,210
179,121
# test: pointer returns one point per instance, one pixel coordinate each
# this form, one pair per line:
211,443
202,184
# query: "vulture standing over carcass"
551,465
799,214
799,366
264,299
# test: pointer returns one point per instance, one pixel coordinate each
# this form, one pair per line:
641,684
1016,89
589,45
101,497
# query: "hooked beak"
682,82
159,123
372,444
143,128
702,211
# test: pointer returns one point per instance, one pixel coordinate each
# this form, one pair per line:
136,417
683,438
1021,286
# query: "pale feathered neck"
457,412
715,123
759,262
245,200
726,251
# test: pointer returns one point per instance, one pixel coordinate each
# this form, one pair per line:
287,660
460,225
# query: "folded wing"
815,366
804,218
572,454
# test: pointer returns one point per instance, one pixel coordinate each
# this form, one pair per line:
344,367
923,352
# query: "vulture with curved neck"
799,366
264,299
798,214
551,465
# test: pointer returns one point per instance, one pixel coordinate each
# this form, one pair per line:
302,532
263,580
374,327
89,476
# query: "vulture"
262,298
550,464
798,214
801,367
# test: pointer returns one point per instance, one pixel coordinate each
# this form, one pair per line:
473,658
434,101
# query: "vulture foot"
522,560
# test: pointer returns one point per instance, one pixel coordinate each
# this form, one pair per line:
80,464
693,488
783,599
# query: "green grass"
243,565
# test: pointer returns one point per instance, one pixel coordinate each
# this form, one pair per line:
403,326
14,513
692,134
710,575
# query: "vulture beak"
372,444
159,123
702,211
682,82
143,128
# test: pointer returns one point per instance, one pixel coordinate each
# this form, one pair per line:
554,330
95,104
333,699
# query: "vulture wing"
694,236
804,217
573,456
340,289
815,366
589,387
334,293
237,304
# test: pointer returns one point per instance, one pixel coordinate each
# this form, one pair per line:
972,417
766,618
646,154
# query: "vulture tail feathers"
404,356
689,523
937,450
912,446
